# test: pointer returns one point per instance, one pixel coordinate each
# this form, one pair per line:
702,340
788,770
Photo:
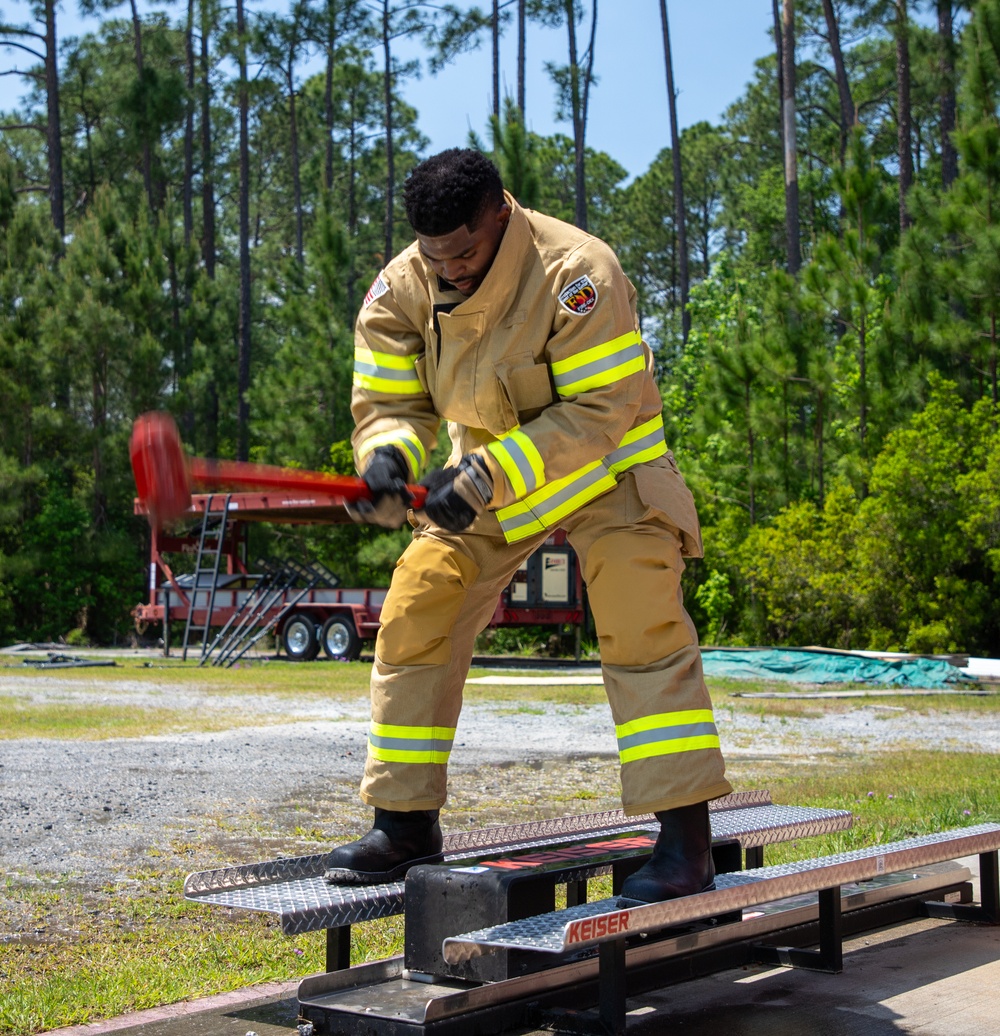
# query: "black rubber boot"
681,864
396,842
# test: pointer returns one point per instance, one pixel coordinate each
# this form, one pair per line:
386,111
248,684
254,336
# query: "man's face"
464,257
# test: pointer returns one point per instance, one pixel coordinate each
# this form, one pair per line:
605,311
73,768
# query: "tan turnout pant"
443,594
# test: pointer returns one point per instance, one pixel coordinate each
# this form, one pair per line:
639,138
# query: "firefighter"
520,331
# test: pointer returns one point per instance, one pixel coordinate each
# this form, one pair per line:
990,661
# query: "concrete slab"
920,978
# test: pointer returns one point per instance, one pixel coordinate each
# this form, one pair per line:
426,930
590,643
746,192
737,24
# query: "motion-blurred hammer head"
161,470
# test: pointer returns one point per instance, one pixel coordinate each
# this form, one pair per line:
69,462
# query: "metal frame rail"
608,923
268,570
315,573
279,584
294,889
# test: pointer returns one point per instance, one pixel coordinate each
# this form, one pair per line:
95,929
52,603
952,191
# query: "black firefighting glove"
385,476
457,496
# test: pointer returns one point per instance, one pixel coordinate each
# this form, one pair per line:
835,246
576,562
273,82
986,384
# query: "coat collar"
501,284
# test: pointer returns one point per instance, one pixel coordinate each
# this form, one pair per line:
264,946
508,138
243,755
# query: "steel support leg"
754,857
830,955
612,986
989,886
988,910
338,948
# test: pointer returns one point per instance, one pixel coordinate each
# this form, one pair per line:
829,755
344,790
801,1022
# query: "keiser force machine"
486,950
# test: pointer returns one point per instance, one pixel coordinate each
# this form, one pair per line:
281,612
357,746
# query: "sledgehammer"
165,476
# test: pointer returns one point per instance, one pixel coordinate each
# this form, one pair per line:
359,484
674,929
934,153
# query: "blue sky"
715,44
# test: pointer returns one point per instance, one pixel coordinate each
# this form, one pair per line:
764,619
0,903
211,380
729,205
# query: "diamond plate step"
294,888
608,919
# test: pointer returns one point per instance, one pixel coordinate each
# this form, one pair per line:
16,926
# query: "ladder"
206,568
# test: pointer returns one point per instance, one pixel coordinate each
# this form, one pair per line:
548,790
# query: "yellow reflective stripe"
520,460
666,733
642,443
600,365
400,744
390,755
663,719
550,504
554,501
405,441
386,372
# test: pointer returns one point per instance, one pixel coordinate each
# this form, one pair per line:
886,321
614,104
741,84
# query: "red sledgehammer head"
162,474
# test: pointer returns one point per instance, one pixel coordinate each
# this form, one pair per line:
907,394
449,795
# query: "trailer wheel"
298,637
340,638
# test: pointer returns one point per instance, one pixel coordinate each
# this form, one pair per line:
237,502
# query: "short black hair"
450,190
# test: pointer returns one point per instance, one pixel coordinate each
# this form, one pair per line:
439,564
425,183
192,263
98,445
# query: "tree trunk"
207,160
848,114
946,34
352,203
390,158
788,125
53,130
521,56
293,141
579,98
188,186
496,59
328,113
778,49
243,376
903,120
147,155
187,330
675,146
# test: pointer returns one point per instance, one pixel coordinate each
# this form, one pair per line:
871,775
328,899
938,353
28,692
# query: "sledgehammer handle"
211,474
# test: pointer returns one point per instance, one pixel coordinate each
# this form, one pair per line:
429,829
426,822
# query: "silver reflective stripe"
600,366
540,510
652,438
672,733
412,744
578,485
372,370
516,453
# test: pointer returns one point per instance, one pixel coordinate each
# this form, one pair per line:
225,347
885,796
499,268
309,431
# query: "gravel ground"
107,811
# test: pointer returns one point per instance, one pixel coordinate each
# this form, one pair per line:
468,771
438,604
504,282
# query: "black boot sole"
348,876
665,899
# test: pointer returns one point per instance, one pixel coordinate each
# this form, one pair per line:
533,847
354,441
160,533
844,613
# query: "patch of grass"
70,720
892,796
320,678
558,694
104,954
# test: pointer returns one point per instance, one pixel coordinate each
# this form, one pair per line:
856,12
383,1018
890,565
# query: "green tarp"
820,667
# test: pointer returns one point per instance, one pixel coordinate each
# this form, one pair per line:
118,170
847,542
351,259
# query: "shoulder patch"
580,297
378,288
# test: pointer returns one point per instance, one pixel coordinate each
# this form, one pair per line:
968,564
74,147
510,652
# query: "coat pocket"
529,389
660,489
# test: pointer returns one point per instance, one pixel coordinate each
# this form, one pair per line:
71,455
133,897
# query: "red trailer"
306,615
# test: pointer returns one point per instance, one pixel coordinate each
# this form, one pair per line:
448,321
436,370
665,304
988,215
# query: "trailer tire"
340,638
298,637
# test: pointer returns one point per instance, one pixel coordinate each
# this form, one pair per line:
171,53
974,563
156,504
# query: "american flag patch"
378,288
